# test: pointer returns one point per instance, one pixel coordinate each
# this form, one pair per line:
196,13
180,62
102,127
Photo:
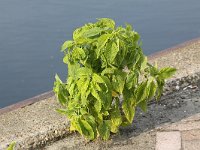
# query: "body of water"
31,33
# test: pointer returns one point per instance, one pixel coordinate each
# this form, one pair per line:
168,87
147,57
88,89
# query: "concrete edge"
177,47
26,102
50,93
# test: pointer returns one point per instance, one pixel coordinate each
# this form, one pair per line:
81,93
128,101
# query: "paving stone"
191,145
195,117
190,135
168,140
181,126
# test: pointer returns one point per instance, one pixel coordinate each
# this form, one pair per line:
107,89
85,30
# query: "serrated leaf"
152,89
11,146
108,71
128,111
87,130
66,44
116,118
67,112
142,92
78,53
131,79
71,88
167,72
102,40
160,84
111,51
92,32
118,81
107,22
66,59
97,103
104,130
84,71
72,69
60,91
106,99
143,105
144,63
128,105
78,33
97,78
91,120
85,91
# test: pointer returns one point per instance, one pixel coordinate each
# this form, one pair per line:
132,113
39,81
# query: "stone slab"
191,145
180,126
190,135
168,140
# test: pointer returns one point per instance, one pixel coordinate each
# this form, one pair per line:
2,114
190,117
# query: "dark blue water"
31,33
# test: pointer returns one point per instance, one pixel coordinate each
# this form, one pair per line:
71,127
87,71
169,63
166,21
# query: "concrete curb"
26,102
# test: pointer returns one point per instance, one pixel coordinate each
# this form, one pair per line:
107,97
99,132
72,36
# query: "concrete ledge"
32,123
26,102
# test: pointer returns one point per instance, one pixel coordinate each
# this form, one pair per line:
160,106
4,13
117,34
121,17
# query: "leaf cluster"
108,77
11,146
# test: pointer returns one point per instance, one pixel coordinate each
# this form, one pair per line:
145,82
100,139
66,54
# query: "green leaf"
108,71
92,32
144,63
107,22
142,92
152,89
116,118
85,91
87,130
11,146
72,69
72,88
167,72
102,40
91,120
78,53
104,130
132,79
143,105
128,105
106,99
84,71
97,78
66,59
97,103
66,44
60,91
112,50
160,84
119,81
69,113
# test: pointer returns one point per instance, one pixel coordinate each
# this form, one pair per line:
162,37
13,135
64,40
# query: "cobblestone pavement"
182,135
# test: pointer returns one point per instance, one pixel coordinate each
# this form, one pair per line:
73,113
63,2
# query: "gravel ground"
141,135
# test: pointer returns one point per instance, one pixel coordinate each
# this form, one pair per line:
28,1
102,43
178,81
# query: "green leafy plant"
11,146
108,77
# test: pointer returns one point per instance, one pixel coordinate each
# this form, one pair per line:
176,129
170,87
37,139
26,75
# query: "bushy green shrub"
108,77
